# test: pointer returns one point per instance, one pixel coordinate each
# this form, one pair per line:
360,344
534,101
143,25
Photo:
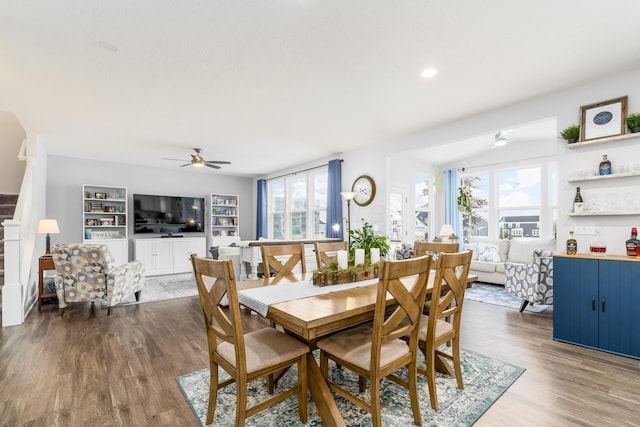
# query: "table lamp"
48,226
445,232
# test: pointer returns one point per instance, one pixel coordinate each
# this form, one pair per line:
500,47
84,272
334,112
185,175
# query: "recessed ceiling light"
108,46
427,73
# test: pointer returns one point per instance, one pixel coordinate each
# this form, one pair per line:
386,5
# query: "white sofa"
490,255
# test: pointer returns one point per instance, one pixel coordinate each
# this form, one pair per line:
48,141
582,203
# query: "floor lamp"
348,196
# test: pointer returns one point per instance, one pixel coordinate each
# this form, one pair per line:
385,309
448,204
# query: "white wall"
11,169
66,176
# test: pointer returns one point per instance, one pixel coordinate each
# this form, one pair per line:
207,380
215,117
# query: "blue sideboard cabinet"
597,302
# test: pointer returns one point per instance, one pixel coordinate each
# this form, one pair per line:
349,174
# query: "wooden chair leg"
213,393
271,383
431,378
362,383
413,393
109,311
138,295
456,362
523,305
302,392
241,402
374,390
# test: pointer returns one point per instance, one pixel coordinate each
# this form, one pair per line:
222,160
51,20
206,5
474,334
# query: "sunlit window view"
477,222
297,207
422,208
508,203
519,203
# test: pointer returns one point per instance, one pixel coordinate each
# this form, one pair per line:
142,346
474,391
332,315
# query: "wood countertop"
603,258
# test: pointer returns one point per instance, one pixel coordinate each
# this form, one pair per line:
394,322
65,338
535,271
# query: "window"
519,202
512,201
477,223
297,206
422,208
395,206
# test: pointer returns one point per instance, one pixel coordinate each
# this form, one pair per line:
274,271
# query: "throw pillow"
470,247
405,251
488,253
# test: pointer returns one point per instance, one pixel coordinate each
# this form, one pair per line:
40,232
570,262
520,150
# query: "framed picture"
109,208
102,196
603,119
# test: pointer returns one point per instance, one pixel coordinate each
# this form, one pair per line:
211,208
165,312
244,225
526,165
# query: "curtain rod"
300,171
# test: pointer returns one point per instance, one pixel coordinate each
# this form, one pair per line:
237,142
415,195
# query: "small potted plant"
633,121
571,133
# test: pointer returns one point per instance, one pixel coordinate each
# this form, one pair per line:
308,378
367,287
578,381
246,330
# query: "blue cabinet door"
575,297
619,307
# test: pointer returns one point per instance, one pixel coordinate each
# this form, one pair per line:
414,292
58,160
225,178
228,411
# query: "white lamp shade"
348,195
48,226
446,230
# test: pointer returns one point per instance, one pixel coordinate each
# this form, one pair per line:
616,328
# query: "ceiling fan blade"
218,162
186,164
180,160
211,166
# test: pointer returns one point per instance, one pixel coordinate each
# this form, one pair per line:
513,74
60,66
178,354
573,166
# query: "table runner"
259,299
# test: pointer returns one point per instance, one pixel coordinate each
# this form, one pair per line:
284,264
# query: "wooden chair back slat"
295,252
452,270
326,252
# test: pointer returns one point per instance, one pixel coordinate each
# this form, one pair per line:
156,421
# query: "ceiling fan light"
500,139
197,164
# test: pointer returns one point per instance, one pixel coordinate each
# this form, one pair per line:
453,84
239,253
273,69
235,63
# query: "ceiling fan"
198,161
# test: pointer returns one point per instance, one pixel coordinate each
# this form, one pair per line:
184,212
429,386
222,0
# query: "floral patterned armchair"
86,272
533,282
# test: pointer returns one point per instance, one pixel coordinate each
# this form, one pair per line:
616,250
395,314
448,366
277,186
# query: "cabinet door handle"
593,303
603,304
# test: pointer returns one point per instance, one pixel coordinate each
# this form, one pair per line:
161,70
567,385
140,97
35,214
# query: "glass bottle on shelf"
633,244
578,204
572,245
598,247
605,166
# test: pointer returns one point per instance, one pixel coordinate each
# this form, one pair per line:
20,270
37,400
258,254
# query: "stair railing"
19,236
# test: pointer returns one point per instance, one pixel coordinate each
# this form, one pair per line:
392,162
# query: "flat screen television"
167,214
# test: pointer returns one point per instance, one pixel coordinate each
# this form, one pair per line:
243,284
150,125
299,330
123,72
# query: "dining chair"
434,249
451,270
273,259
246,358
376,350
326,252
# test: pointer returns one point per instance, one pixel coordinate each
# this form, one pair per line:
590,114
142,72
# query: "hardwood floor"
89,369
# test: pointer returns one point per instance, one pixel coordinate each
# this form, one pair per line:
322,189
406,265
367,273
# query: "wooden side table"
44,263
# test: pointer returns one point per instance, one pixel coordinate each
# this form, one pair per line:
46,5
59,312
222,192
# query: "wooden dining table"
313,317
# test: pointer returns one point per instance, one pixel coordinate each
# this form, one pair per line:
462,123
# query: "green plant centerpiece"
633,121
571,133
364,238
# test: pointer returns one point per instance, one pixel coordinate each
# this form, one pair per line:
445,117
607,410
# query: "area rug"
160,288
495,294
485,380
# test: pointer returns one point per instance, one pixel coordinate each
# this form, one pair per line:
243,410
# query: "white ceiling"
268,84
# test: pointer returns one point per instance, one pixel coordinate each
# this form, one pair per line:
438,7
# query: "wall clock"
365,188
